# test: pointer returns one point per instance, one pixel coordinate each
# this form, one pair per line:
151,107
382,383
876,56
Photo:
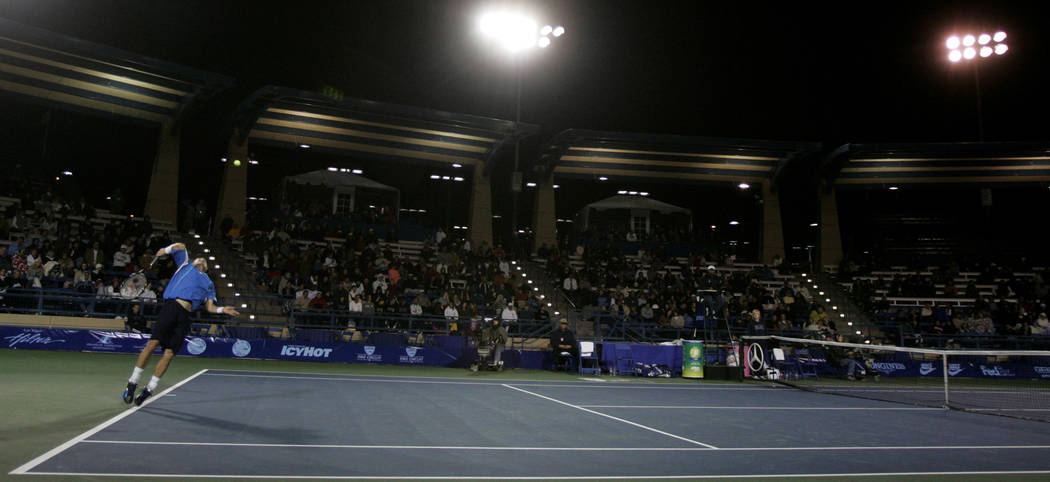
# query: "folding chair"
807,363
624,364
587,353
788,367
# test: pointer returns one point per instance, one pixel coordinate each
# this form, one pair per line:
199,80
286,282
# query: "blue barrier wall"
444,351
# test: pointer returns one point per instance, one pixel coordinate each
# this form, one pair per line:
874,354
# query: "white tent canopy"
344,184
639,207
336,180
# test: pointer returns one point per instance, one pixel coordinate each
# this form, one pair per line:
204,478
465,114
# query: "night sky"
806,71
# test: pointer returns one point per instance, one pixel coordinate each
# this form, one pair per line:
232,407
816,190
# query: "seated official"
563,344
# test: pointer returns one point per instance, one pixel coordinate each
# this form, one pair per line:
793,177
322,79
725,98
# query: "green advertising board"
692,359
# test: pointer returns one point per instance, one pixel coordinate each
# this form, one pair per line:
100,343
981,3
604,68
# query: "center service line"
661,432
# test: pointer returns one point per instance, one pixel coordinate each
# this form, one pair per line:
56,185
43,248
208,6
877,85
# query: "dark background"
805,71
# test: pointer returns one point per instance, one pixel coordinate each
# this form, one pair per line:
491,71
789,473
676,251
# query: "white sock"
153,383
136,373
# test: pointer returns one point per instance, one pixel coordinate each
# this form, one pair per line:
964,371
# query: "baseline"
26,467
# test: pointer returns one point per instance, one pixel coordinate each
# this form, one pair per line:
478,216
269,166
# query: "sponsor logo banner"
368,354
887,368
413,355
306,351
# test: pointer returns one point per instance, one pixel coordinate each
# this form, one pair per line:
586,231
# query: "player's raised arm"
170,249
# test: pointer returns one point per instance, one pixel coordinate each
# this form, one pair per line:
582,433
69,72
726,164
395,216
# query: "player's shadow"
255,433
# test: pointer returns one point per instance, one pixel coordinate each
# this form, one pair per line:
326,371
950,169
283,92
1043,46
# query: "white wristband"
167,249
218,310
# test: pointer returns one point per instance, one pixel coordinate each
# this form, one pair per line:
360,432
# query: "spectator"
509,314
136,323
355,306
121,258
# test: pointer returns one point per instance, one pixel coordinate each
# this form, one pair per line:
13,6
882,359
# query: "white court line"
720,407
571,477
661,432
80,438
489,383
1007,409
630,383
570,449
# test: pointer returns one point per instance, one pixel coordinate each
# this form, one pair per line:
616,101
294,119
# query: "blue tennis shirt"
188,283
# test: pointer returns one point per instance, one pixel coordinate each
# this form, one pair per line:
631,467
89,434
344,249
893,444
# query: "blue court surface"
283,425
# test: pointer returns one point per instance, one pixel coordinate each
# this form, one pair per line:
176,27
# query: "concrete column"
772,225
544,219
481,207
162,200
233,193
830,236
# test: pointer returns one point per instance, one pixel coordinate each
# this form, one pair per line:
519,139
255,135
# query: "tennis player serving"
189,288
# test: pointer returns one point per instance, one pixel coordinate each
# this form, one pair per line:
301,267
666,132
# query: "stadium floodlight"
457,165
511,30
812,225
555,186
643,193
894,188
970,46
435,176
543,42
621,192
743,185
546,30
333,169
734,223
603,178
304,146
457,179
558,31
530,184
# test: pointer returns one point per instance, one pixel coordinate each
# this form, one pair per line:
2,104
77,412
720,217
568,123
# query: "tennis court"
225,423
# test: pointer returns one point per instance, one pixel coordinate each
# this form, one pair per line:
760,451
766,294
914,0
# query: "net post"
944,371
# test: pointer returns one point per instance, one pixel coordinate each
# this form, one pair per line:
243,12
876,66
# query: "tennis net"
1010,383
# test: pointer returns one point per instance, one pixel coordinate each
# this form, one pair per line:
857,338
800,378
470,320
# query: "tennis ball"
237,162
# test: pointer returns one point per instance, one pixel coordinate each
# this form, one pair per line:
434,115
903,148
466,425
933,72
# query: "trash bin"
692,359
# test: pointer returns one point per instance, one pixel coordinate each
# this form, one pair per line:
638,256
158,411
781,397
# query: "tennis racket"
135,284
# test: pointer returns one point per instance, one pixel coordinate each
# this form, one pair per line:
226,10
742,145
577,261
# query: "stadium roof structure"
292,118
937,164
654,157
67,73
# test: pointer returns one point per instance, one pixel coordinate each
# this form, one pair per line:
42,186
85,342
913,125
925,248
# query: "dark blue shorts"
173,323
